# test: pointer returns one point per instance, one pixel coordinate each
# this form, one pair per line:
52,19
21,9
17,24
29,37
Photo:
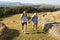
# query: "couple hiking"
34,20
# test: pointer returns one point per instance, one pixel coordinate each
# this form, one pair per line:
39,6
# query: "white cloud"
36,1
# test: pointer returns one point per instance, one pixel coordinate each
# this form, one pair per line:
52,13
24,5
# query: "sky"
57,2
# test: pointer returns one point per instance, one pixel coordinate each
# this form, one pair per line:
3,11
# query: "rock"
47,27
3,31
51,23
55,30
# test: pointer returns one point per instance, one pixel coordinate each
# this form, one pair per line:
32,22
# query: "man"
35,21
24,21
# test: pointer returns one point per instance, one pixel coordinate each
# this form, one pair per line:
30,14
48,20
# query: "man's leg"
25,28
22,27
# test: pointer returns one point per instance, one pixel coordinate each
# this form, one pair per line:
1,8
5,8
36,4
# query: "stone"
55,31
51,23
3,31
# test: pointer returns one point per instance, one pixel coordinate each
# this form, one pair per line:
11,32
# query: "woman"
35,21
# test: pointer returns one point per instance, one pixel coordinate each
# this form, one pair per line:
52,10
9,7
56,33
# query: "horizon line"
30,3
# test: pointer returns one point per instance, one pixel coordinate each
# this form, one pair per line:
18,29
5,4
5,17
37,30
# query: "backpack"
23,15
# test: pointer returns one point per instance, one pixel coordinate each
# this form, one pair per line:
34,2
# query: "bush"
5,11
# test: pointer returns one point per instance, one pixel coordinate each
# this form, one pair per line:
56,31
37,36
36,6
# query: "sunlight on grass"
14,22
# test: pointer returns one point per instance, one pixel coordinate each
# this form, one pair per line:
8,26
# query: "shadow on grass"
12,33
6,33
38,32
41,32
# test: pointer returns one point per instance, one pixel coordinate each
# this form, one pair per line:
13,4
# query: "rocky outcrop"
3,31
55,30
51,23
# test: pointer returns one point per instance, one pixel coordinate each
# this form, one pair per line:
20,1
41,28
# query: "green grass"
14,22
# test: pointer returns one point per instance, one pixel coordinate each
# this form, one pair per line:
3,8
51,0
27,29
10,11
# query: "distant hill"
46,6
14,4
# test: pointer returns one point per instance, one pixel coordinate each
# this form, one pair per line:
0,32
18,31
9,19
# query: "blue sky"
57,2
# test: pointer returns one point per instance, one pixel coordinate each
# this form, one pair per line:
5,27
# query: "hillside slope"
14,22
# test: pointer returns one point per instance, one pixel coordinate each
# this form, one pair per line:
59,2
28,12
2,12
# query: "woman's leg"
36,26
33,26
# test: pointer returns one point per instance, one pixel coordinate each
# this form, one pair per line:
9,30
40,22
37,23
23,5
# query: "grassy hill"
13,22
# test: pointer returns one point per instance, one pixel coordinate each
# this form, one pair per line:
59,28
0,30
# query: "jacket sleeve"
32,18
